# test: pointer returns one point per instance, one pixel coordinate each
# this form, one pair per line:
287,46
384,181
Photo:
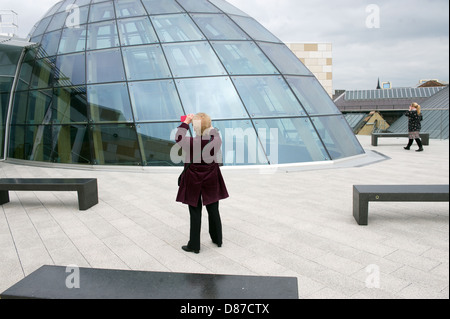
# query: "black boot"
419,142
408,147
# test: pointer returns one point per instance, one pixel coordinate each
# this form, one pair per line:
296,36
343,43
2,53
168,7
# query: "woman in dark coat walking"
202,182
414,126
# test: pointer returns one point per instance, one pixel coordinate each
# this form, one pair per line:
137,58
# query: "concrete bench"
425,137
85,187
58,282
363,194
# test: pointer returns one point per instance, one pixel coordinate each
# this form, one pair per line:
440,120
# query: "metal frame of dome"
110,90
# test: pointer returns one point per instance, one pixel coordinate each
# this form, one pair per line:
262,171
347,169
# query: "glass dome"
107,82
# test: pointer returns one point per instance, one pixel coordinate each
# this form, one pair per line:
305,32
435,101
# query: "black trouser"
215,224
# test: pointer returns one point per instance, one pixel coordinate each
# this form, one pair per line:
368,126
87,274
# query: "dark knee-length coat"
203,176
414,119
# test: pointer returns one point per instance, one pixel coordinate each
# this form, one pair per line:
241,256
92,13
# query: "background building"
318,58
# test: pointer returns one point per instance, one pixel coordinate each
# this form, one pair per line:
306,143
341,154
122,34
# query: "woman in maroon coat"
202,183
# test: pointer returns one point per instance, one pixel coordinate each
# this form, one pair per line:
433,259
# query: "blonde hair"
416,106
202,122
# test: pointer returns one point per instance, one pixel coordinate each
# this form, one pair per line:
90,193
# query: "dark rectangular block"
85,187
363,194
49,282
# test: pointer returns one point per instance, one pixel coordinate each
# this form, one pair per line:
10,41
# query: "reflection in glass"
101,11
109,103
105,66
286,61
312,95
136,31
58,21
73,40
42,26
335,132
161,7
43,71
156,142
69,105
176,28
255,29
40,112
19,111
219,27
240,143
193,59
70,69
50,43
297,140
145,63
115,145
155,101
102,35
267,96
243,58
129,8
198,6
214,96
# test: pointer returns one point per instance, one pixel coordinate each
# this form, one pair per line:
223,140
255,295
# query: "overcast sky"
409,41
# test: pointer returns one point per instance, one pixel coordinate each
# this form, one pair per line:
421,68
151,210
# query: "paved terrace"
284,224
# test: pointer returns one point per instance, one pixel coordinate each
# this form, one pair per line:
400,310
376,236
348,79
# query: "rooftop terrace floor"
277,223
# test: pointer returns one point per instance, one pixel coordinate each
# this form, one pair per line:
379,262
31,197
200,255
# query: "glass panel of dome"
102,35
40,137
81,3
267,96
40,112
335,132
102,11
161,7
70,144
73,40
19,111
219,27
240,143
69,105
312,95
136,31
43,71
215,96
255,29
105,66
155,101
297,141
77,16
70,69
115,145
109,103
198,6
243,58
155,140
50,43
40,29
176,28
58,21
193,59
53,10
145,63
17,145
65,4
284,59
129,8
227,7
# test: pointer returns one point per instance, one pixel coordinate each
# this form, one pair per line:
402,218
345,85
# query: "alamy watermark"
373,20
73,279
73,19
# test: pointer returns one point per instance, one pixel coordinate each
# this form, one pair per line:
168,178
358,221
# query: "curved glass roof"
108,82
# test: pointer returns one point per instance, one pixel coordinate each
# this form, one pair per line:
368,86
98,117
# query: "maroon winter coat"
203,176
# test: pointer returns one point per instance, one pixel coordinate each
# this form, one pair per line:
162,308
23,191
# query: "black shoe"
218,245
189,250
420,150
407,148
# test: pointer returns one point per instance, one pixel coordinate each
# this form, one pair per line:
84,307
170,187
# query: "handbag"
188,165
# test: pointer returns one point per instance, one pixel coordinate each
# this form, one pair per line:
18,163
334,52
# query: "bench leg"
360,209
425,140
374,140
4,197
88,196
